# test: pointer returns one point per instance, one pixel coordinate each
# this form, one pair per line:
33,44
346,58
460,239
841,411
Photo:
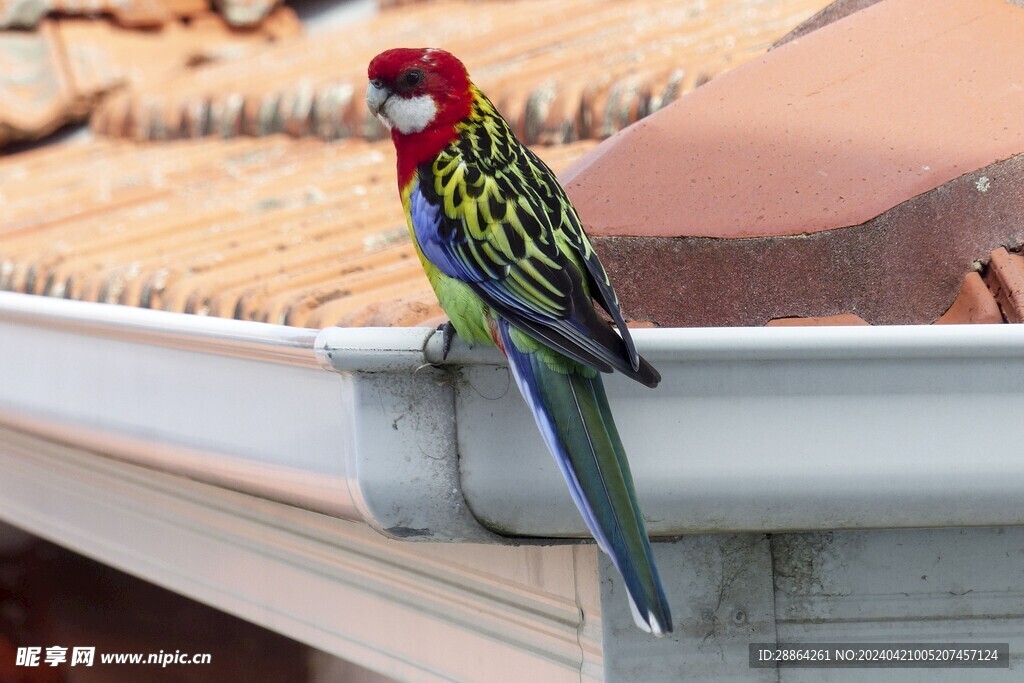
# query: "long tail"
572,412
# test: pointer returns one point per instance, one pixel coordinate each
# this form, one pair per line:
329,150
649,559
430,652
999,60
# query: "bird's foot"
447,331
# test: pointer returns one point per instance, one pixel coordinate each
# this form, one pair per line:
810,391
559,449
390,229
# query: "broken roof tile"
974,303
875,141
306,233
841,319
559,71
1005,278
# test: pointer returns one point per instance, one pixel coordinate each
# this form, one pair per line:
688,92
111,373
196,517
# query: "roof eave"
762,429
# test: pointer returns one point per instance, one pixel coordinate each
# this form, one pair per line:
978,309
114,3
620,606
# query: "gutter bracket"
402,454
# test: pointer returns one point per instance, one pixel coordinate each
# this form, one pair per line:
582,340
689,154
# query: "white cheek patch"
410,115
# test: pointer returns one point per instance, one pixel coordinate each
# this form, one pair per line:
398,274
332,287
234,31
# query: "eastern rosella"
506,254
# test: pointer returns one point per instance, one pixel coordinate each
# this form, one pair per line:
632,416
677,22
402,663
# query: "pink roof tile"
973,304
803,140
842,319
833,12
1005,278
861,169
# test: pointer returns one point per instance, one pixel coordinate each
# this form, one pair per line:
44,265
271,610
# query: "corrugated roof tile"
272,229
560,71
36,95
60,72
306,233
128,13
134,13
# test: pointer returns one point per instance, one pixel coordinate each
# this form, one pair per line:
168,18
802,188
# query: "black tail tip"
647,375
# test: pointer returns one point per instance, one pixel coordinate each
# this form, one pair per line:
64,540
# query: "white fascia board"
759,429
412,611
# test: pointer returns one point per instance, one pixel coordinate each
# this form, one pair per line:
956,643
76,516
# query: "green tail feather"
569,403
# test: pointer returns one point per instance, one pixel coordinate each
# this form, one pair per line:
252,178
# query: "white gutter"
243,405
762,429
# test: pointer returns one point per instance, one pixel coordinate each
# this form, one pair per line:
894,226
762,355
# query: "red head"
419,94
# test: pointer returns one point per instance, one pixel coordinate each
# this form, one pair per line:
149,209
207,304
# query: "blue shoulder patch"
426,226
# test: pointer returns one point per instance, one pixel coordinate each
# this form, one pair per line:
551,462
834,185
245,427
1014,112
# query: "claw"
447,331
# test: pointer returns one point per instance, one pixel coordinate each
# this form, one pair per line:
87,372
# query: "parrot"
506,254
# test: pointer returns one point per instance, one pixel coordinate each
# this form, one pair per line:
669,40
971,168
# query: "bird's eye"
410,79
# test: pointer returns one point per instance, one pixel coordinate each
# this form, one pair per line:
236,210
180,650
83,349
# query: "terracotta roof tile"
1005,278
272,229
974,304
36,95
102,55
245,12
59,73
801,146
134,13
835,11
862,169
307,233
129,13
823,321
560,71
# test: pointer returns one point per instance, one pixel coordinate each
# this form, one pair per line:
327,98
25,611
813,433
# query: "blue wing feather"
426,225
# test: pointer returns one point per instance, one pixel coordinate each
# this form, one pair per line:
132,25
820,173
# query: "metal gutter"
775,429
255,341
760,429
242,405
